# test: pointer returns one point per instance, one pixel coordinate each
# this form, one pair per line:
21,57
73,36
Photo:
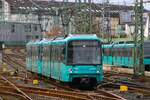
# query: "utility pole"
105,23
83,18
66,15
90,20
138,40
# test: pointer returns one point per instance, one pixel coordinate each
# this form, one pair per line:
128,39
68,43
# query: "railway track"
61,90
132,86
16,90
12,88
17,66
50,92
97,95
8,96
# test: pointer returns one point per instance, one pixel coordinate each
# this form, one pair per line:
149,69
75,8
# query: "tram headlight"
98,71
70,70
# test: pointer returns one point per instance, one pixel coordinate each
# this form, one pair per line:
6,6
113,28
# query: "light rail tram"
74,58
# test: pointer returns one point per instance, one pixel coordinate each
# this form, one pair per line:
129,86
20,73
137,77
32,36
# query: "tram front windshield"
84,53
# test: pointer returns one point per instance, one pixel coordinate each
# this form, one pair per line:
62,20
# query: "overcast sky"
128,2
125,2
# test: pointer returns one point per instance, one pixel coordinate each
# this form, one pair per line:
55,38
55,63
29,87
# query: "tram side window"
29,52
118,51
128,52
50,52
53,53
56,54
62,53
59,53
107,51
44,53
104,51
33,52
121,52
47,51
124,52
38,52
131,52
114,52
41,53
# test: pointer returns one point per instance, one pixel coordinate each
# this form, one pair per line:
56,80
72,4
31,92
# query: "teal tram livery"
74,58
121,54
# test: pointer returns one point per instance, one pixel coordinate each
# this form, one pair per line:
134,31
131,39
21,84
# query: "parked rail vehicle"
74,58
121,54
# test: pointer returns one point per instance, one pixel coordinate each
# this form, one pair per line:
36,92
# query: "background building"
22,20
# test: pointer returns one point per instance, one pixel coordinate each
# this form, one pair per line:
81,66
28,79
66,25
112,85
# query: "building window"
35,28
27,28
12,28
36,37
1,4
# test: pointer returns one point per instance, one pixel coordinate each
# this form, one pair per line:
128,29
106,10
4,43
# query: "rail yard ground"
17,83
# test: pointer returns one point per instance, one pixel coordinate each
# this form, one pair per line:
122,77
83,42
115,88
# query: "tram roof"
118,45
82,36
70,37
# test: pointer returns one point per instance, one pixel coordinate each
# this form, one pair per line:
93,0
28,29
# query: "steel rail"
131,88
101,94
49,92
145,92
17,56
12,94
76,94
13,85
1,98
109,94
102,97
